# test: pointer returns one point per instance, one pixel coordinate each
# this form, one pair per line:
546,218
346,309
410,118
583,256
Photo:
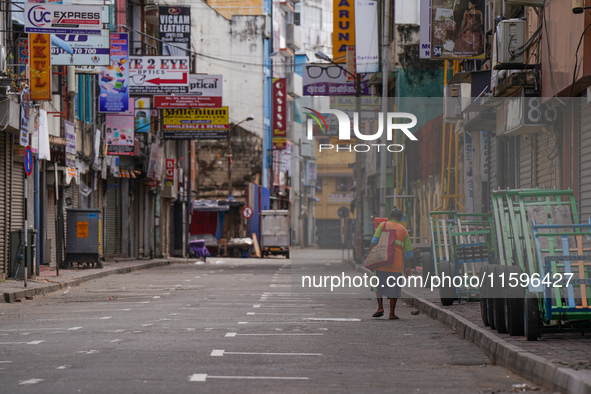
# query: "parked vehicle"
275,233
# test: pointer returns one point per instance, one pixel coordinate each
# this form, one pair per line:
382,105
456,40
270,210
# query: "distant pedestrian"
388,274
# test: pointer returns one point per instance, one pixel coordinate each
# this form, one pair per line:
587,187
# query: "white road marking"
242,322
202,377
256,306
5,362
114,340
30,381
63,367
279,285
88,352
156,297
147,325
331,319
220,353
106,318
74,328
233,334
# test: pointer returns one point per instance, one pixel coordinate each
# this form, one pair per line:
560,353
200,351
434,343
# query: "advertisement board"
457,29
53,18
120,135
366,36
158,74
321,79
80,49
196,123
114,79
40,66
175,29
205,91
279,106
70,133
343,32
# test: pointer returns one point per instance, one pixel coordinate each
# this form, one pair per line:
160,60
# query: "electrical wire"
572,86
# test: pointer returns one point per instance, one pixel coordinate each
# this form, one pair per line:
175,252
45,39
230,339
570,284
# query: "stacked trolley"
462,246
541,283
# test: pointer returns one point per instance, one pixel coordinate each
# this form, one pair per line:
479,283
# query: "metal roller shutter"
113,218
141,227
5,164
17,203
492,175
51,223
585,161
546,160
134,222
525,170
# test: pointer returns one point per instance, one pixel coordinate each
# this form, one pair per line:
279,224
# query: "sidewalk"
560,362
47,282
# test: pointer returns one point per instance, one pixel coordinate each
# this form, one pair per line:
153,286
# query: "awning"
209,206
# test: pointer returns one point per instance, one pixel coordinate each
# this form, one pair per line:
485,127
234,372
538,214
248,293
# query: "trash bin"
82,241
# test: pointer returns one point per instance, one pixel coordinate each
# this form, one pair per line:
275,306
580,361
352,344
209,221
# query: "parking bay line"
202,377
220,353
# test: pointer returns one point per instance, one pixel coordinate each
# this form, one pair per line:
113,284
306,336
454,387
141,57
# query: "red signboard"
279,114
169,174
187,102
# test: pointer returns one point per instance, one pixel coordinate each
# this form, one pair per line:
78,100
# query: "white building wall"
315,39
234,49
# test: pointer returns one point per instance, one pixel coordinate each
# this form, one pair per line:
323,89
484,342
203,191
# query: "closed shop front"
5,169
113,217
525,162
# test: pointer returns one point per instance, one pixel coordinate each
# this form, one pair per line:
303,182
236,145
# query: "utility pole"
385,71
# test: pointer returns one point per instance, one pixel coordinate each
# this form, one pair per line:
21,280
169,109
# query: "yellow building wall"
244,7
332,166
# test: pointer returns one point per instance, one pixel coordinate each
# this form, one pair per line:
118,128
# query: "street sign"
28,161
247,212
158,74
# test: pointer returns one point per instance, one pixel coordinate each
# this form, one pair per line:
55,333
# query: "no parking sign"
247,212
28,161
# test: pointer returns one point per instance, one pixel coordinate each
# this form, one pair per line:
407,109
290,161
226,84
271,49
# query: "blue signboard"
114,79
28,161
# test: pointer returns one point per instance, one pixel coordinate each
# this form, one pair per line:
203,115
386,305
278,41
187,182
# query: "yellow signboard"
343,31
82,230
40,66
195,118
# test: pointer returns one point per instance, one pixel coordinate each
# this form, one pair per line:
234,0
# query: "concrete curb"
526,364
52,287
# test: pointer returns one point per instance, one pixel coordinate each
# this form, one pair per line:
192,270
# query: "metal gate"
585,161
493,170
17,202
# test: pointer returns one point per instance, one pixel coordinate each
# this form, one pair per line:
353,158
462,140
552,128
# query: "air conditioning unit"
169,192
452,102
510,36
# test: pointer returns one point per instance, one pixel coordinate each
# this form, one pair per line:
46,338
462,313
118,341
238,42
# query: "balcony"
293,37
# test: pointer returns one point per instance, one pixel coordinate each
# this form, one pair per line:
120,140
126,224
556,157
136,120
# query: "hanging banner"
159,74
175,29
61,19
279,105
40,66
469,171
43,141
80,49
120,135
457,29
70,132
425,30
24,123
343,32
114,81
367,55
23,56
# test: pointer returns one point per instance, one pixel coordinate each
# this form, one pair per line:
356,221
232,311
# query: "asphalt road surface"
230,326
